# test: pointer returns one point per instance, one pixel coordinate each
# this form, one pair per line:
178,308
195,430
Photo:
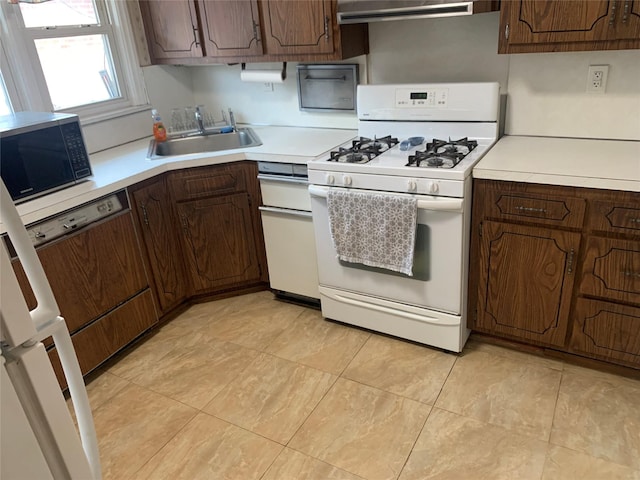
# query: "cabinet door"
612,269
303,26
525,282
553,21
153,208
219,243
171,28
230,28
93,271
607,331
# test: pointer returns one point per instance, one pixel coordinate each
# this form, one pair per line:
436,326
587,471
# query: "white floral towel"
375,229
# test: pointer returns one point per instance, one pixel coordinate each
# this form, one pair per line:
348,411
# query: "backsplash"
546,91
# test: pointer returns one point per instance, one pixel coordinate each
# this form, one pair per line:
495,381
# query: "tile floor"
254,388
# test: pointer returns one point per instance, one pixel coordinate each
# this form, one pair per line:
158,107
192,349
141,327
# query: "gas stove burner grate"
442,153
363,150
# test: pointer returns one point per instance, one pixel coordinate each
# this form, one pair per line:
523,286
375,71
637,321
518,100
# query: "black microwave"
40,153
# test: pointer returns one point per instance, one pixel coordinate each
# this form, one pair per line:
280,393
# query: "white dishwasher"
288,230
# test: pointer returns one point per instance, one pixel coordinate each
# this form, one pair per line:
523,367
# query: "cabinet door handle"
629,273
185,223
612,18
326,27
625,12
570,262
255,32
145,217
195,36
506,32
530,209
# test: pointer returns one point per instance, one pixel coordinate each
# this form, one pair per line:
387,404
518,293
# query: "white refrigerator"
38,439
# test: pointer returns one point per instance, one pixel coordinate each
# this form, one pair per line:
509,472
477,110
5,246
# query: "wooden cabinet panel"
218,242
230,28
92,271
303,26
526,276
606,216
171,28
515,203
205,182
100,340
567,25
607,331
612,269
155,214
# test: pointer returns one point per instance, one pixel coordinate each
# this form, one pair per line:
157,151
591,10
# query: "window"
73,56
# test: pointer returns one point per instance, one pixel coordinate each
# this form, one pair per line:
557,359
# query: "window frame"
21,61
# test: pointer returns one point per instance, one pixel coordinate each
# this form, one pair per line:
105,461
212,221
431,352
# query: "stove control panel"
427,98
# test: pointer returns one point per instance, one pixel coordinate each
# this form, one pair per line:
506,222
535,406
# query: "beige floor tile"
400,367
320,344
195,373
362,430
255,323
100,390
133,426
211,449
502,391
272,397
599,415
565,464
292,465
477,345
453,447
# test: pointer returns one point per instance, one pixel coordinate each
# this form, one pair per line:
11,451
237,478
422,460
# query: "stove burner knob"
330,179
412,185
347,180
433,187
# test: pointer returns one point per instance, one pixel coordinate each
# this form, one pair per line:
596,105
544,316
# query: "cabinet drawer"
106,336
205,182
607,331
557,210
612,269
615,217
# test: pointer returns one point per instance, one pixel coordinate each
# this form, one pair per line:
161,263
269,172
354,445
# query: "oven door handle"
286,211
441,204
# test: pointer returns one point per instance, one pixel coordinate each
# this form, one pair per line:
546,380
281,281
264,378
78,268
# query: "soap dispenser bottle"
159,132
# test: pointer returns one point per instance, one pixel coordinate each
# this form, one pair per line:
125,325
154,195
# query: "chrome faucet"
199,120
232,120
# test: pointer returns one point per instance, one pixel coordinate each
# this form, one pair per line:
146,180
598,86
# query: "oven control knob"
330,179
412,185
347,180
433,187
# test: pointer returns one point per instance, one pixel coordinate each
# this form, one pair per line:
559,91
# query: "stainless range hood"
365,11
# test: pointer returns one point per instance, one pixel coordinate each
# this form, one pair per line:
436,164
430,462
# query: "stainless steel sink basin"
214,142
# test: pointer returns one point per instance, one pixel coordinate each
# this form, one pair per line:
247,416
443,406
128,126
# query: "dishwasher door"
289,236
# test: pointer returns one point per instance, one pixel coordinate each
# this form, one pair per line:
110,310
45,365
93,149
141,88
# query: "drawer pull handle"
625,15
635,220
530,209
612,17
570,262
628,273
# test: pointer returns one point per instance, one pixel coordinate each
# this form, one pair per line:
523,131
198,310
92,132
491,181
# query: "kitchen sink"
211,142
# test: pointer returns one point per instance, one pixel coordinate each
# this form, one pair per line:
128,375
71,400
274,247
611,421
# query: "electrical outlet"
597,78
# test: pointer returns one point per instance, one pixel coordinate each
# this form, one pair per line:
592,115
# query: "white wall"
547,95
546,92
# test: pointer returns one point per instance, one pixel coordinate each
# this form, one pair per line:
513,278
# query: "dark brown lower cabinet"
109,334
218,241
525,282
607,331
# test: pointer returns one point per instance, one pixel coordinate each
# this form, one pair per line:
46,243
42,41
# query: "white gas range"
420,142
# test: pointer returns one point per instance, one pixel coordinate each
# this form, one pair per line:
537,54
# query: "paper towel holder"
243,66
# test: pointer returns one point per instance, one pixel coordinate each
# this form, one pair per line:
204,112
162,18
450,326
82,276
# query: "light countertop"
605,164
122,166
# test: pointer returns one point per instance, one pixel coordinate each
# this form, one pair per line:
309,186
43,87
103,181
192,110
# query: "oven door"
437,281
